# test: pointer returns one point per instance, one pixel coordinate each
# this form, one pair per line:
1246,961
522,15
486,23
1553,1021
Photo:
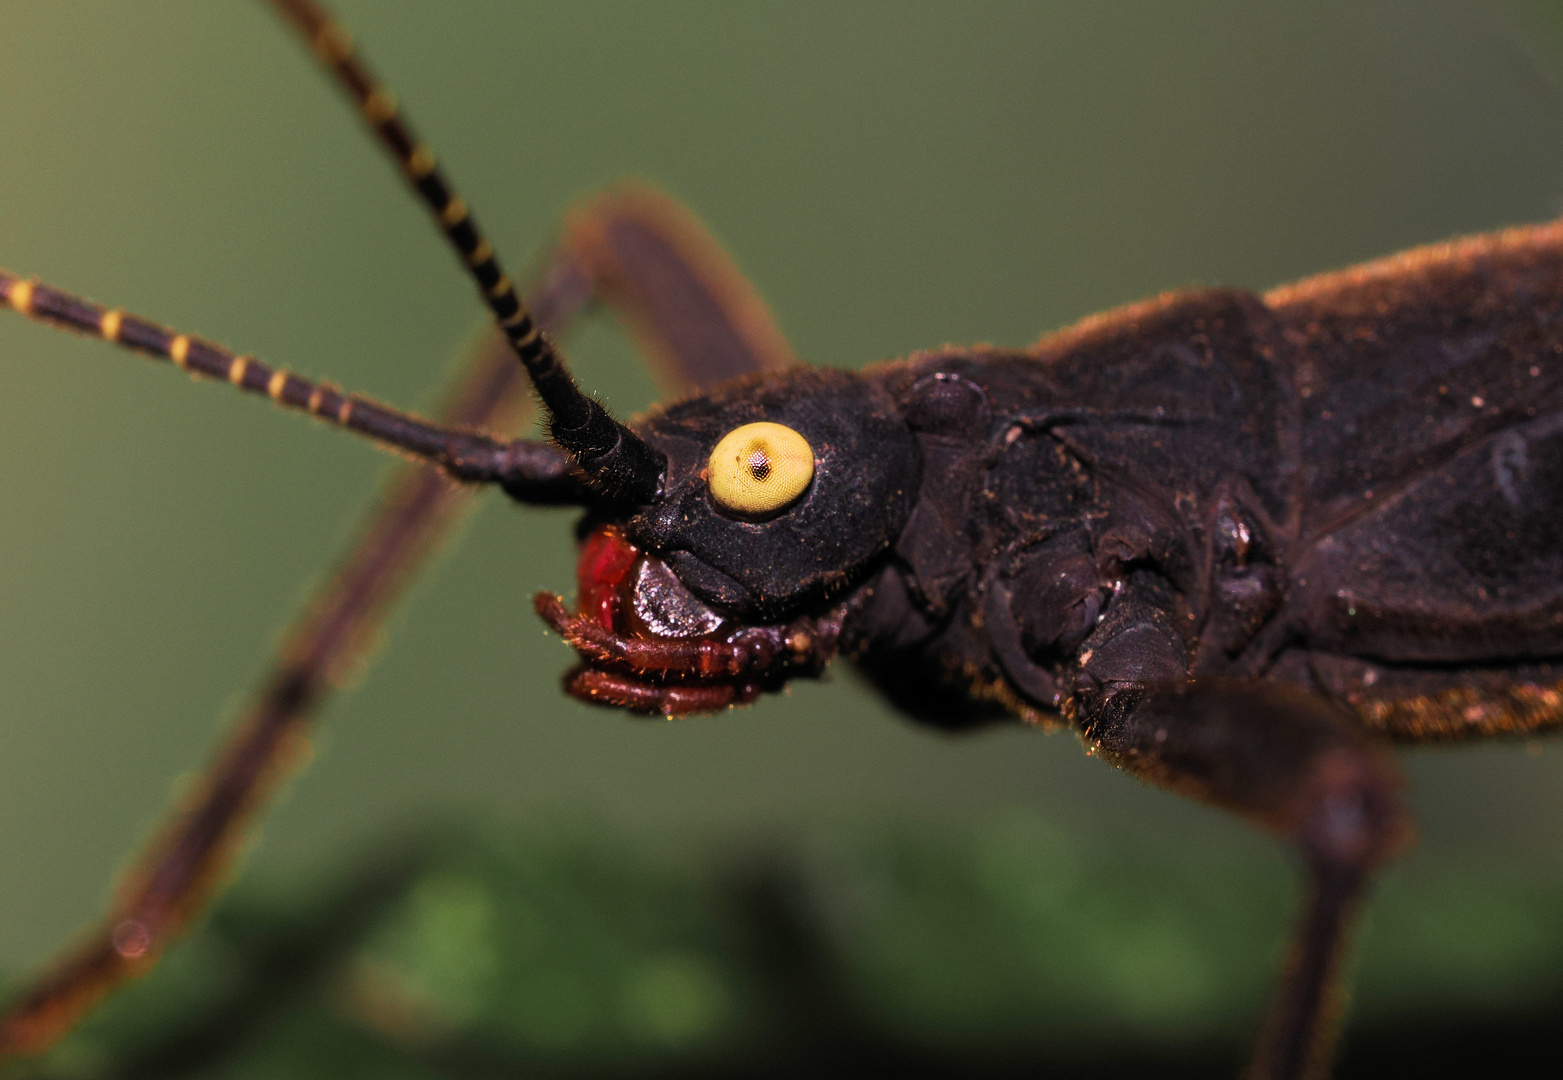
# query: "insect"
490,211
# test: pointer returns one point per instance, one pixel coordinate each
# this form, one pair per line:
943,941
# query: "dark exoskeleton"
1239,543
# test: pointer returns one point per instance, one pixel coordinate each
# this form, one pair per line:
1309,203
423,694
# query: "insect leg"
708,302
192,851
1290,761
689,308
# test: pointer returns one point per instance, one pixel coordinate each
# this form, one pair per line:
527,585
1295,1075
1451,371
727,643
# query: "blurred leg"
694,315
1292,762
670,280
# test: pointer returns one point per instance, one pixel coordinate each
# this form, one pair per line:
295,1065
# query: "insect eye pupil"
759,465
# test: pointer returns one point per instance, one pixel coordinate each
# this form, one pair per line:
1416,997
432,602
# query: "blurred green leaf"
958,949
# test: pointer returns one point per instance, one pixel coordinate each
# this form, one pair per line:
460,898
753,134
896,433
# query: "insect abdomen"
1428,583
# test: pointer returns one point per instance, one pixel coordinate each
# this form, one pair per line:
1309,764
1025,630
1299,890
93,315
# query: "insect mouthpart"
650,645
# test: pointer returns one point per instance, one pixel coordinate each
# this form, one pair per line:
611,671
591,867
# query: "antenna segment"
611,456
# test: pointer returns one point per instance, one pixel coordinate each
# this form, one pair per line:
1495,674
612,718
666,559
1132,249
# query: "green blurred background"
892,176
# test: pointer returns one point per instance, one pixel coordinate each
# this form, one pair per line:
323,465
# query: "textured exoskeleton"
1236,541
1239,543
1354,486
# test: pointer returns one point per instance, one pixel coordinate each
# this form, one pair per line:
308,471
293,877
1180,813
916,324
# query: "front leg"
1287,759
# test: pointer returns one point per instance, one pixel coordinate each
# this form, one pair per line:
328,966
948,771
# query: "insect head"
778,494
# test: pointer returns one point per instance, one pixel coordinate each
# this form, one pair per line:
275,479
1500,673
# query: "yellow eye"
759,468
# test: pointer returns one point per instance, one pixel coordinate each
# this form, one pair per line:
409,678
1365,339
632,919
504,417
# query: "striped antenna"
612,456
530,471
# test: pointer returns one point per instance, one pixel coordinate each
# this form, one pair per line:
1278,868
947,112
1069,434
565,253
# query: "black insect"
1240,543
